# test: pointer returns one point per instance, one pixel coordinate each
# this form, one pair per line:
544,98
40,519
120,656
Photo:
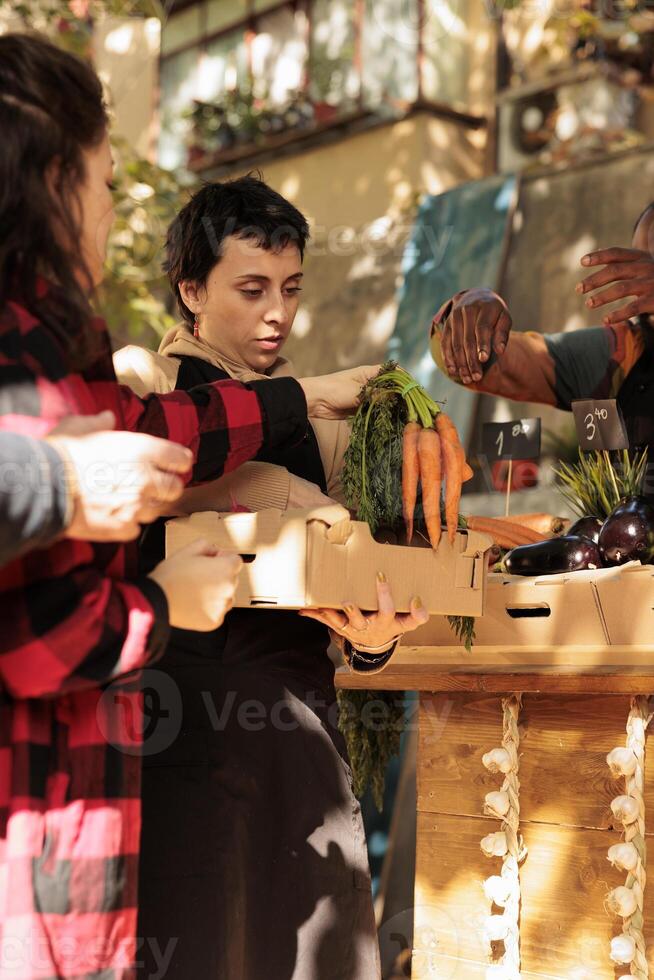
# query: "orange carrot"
429,452
453,470
410,474
500,540
504,532
466,470
501,537
526,534
545,523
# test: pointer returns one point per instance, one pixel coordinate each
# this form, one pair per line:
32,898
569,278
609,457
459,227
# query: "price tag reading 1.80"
519,439
599,424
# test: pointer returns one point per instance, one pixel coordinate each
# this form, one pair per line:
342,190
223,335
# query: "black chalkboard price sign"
599,424
519,439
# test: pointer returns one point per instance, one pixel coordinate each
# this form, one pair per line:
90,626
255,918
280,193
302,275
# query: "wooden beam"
560,680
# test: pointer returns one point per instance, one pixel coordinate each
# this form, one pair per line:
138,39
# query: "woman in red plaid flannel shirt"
78,624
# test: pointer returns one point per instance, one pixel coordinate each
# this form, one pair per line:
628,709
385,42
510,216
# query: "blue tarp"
456,243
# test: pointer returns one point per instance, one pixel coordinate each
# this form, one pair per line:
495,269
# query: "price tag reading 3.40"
599,424
519,439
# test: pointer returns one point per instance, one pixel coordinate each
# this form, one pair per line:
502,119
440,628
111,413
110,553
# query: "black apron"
253,856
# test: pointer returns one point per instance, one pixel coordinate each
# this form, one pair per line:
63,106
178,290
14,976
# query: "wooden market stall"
558,678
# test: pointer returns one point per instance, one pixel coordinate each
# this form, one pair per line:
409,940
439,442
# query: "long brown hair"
51,110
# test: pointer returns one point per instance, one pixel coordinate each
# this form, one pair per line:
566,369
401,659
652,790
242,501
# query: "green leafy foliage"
70,25
135,297
464,629
372,723
595,485
372,482
372,470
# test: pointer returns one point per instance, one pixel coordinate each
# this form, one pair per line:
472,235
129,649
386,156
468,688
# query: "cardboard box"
595,619
300,559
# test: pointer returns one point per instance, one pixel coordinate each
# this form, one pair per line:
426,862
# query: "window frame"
248,24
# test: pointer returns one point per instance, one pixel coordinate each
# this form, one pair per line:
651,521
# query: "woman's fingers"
376,628
418,616
355,618
385,602
328,617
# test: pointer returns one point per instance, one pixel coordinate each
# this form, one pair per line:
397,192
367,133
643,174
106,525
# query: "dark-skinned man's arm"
472,343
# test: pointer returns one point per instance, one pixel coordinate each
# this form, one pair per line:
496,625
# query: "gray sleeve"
581,363
33,495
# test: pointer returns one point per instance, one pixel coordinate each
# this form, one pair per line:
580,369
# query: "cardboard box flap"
449,581
273,548
296,559
524,614
627,603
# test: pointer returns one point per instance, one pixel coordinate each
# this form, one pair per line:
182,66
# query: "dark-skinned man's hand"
478,323
626,272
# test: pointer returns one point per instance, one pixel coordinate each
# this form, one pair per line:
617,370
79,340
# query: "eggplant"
569,553
587,527
628,534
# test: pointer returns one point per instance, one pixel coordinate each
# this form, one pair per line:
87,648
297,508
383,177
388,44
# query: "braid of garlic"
504,889
510,868
627,901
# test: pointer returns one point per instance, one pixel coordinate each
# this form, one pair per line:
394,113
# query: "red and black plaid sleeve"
74,618
225,424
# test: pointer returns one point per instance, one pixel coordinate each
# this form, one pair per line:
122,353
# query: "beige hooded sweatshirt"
256,486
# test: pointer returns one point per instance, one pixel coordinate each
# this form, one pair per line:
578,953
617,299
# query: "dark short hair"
246,208
51,110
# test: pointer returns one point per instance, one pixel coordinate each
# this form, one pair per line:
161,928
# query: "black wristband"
359,660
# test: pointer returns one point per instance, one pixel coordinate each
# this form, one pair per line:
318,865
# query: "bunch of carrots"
398,427
432,454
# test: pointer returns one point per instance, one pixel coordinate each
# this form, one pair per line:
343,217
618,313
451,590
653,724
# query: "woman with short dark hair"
265,871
